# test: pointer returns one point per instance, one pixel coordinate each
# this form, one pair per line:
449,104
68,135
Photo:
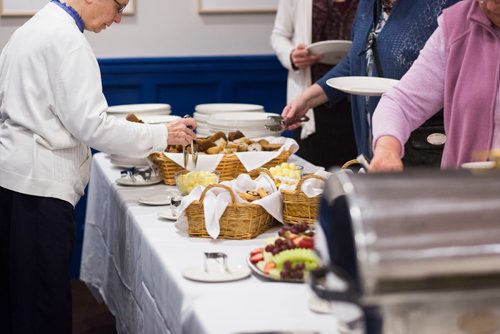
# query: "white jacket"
292,26
52,107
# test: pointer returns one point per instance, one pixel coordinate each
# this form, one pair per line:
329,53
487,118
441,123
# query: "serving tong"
194,152
132,172
216,256
278,123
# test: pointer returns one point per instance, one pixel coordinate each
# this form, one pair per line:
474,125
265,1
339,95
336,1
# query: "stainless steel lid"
415,230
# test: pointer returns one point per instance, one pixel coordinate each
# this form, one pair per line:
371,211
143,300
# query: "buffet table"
133,261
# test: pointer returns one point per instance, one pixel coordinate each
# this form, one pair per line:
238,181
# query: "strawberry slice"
256,251
298,240
256,258
306,243
268,267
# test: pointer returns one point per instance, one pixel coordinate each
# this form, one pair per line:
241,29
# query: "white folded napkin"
311,187
271,203
217,199
206,162
252,160
214,204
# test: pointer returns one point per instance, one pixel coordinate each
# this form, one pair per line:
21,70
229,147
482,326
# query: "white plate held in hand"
365,86
331,52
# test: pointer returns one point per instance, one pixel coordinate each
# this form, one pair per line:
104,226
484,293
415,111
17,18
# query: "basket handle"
350,163
218,185
265,171
307,177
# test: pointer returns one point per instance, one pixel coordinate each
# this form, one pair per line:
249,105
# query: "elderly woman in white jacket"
299,23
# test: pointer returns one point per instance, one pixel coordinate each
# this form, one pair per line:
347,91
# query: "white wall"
163,28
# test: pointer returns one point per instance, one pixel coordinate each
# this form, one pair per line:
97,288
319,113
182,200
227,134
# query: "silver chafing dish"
420,250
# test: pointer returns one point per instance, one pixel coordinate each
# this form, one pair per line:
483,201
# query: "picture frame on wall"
236,6
30,7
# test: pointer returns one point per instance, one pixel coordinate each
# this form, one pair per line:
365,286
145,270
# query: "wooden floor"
89,317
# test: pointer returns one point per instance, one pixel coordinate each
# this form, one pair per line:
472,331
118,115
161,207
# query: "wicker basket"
229,167
283,157
239,221
297,207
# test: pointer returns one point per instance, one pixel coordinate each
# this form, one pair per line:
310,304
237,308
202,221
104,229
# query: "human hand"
294,111
387,156
310,98
179,132
301,58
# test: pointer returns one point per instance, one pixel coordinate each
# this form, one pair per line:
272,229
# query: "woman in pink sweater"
458,69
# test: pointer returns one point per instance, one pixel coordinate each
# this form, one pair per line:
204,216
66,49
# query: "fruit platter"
288,257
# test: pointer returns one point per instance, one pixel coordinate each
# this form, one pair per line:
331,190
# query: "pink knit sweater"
458,69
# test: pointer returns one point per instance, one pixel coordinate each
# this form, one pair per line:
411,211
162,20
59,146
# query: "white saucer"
346,312
197,273
479,165
157,199
365,86
127,181
331,52
167,214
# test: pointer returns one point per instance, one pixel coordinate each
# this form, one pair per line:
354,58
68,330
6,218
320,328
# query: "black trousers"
36,240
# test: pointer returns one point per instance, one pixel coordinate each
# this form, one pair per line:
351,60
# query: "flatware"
194,152
175,202
278,123
133,172
216,256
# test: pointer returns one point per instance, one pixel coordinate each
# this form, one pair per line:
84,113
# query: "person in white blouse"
52,109
298,24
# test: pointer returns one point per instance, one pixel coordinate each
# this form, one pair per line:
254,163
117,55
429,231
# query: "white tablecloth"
134,260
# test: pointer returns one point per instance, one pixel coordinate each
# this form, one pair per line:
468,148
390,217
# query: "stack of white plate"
158,119
127,162
250,124
140,109
205,111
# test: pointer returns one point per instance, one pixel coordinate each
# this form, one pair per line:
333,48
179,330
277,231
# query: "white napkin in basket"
271,203
214,204
206,162
310,187
217,199
252,160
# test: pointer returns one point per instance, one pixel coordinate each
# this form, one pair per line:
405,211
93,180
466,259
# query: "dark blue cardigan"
410,25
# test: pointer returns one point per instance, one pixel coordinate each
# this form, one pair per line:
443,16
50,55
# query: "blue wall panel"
183,83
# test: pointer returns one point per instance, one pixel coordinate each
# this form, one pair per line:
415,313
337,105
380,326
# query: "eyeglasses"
120,7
